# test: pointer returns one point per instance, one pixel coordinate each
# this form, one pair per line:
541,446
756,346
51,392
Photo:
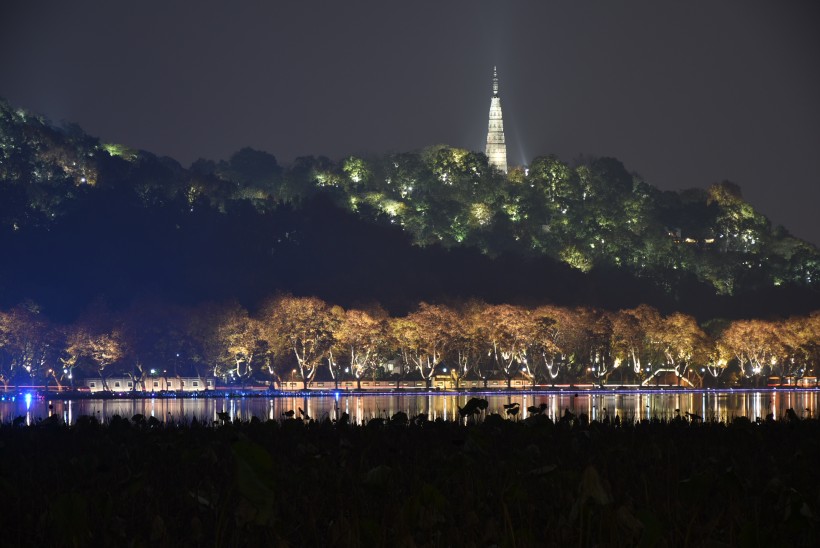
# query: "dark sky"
684,93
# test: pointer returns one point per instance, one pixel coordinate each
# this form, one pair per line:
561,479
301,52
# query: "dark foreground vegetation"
416,483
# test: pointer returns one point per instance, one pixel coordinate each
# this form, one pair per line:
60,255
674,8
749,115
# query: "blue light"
27,397
336,395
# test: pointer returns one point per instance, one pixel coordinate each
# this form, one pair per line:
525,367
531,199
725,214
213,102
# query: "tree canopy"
118,222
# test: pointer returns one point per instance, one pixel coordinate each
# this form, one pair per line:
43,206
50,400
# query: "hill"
81,220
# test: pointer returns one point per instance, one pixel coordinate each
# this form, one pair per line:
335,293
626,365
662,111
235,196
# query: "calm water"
361,408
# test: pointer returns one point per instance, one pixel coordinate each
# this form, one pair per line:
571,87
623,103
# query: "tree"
306,324
256,172
718,359
201,325
275,346
812,341
650,324
224,339
682,341
507,331
599,329
26,339
362,336
154,337
628,339
796,338
423,336
466,350
7,349
69,357
580,341
100,349
548,334
753,343
240,337
337,315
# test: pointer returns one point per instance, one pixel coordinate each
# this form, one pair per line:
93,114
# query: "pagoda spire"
496,145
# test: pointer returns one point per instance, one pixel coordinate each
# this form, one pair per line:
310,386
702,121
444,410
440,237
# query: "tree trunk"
57,380
103,381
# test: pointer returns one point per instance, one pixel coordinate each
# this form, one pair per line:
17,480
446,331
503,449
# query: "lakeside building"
412,381
150,384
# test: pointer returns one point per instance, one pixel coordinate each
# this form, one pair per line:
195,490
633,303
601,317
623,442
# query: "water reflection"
721,406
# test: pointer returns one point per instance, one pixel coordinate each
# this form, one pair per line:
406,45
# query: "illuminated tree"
6,349
599,329
359,173
682,341
507,331
753,343
307,325
25,342
74,338
335,366
274,344
362,336
797,339
224,339
651,357
549,323
239,335
98,347
741,233
466,351
717,361
628,337
423,336
553,179
812,341
103,349
581,337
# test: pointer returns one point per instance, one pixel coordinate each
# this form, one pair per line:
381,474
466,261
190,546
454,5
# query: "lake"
720,405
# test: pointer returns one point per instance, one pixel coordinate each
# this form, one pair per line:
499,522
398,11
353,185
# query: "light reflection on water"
722,406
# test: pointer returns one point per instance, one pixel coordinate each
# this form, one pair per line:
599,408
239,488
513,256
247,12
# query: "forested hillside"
82,220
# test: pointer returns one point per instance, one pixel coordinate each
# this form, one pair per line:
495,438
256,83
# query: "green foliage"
595,215
122,151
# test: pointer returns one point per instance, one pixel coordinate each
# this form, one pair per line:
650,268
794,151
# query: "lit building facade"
496,145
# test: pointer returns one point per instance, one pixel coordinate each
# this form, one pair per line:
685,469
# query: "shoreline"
270,394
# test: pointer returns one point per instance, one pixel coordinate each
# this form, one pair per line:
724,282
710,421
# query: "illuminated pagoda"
496,145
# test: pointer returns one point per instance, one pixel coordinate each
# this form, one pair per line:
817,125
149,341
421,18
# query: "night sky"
684,93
